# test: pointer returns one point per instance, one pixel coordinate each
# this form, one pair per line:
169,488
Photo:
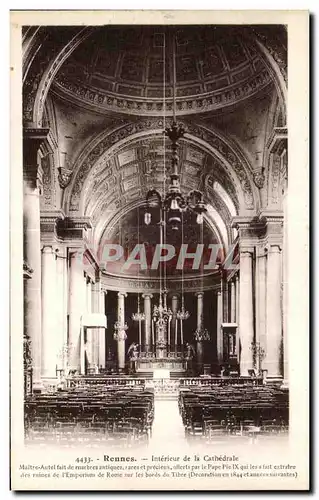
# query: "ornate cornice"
73,230
79,222
49,225
271,216
102,101
267,227
148,286
250,229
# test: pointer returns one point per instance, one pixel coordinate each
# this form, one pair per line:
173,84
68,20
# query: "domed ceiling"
123,69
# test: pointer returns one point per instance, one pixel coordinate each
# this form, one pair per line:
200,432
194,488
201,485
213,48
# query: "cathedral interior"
155,176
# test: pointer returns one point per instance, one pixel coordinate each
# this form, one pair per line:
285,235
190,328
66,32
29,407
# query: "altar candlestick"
176,323
182,337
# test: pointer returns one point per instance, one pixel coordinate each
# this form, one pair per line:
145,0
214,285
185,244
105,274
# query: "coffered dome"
124,69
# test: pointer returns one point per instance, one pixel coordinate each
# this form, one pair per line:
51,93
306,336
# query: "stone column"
200,326
284,289
232,301
237,315
174,322
219,336
237,297
89,331
62,297
88,294
121,333
246,320
148,321
50,345
102,334
273,302
260,305
32,179
76,309
200,309
98,334
225,298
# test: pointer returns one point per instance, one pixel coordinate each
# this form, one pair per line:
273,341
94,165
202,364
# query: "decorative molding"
101,101
259,179
275,178
149,286
73,229
64,177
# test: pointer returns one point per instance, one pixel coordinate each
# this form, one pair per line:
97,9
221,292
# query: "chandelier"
138,315
182,314
173,202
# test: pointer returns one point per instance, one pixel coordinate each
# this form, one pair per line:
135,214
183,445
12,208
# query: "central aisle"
168,430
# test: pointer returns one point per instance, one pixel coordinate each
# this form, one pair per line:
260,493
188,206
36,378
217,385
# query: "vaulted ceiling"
107,112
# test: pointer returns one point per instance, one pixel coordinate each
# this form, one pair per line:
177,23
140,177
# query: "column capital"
48,249
74,229
124,294
175,295
273,248
199,294
246,252
147,295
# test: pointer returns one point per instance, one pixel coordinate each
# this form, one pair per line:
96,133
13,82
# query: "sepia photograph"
155,236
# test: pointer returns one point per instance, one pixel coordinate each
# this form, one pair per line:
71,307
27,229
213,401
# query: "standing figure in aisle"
133,355
190,355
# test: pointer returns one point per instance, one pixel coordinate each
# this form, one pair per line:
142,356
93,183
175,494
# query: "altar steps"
145,375
177,374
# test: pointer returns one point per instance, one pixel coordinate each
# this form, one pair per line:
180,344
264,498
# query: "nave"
155,180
